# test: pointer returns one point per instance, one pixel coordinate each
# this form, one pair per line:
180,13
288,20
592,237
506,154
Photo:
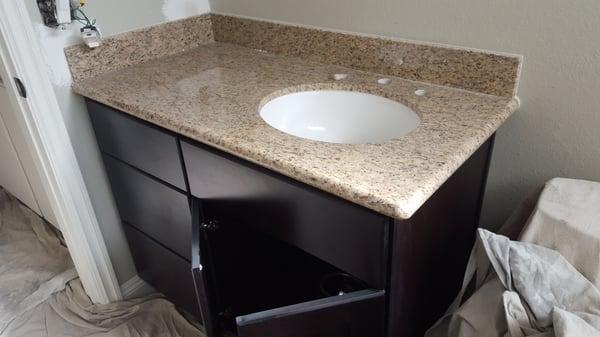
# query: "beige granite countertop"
212,93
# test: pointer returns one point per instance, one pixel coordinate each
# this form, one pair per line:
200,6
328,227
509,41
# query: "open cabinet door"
201,271
355,314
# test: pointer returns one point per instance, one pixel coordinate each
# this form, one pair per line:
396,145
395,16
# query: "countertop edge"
385,206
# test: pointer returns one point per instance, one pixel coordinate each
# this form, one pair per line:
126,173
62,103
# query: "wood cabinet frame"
424,256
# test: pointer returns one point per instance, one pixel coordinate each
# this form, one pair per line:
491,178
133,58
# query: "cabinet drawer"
165,271
349,237
137,143
152,207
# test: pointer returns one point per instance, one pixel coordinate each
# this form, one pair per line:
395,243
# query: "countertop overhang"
212,92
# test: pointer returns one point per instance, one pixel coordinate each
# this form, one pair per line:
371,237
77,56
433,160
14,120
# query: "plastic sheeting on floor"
70,313
546,286
33,262
40,294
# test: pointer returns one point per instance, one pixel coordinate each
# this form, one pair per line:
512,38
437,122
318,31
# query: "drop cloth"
41,295
70,313
545,285
33,262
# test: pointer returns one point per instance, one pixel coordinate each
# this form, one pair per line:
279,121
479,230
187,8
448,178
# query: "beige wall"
557,130
113,17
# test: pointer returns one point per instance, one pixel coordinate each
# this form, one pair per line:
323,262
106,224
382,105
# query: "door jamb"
42,122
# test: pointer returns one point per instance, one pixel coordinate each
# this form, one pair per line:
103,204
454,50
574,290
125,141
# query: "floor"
41,295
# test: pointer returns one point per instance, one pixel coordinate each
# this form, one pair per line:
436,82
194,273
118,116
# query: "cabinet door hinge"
210,226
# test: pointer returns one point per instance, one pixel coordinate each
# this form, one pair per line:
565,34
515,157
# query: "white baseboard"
136,287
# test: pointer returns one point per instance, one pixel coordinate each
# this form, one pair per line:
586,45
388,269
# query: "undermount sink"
339,116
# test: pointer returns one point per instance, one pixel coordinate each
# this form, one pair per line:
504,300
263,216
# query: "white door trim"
41,119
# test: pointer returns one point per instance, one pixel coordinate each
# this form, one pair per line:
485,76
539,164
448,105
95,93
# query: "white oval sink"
339,116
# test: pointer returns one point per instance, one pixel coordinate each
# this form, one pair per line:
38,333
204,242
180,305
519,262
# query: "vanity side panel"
431,249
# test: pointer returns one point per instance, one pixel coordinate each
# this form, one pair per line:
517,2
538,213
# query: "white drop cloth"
526,289
41,296
70,313
33,262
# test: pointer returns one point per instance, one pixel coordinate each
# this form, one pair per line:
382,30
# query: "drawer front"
152,207
350,315
165,271
347,236
137,143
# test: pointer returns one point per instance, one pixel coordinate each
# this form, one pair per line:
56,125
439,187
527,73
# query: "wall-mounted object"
91,36
60,13
63,12
55,13
48,10
89,33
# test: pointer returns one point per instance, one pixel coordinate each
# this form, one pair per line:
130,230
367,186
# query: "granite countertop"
212,93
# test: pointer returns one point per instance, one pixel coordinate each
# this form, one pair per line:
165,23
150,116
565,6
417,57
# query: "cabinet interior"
254,272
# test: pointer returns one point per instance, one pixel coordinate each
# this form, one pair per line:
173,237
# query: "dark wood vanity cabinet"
336,231
287,259
254,253
256,285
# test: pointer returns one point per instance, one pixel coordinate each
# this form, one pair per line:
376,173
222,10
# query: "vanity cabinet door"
357,314
201,271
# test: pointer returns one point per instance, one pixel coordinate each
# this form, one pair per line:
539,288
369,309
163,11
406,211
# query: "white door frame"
42,122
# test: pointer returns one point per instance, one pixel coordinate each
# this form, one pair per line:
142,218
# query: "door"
18,171
12,175
201,271
356,314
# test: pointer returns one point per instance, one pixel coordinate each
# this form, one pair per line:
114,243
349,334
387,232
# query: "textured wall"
555,133
113,17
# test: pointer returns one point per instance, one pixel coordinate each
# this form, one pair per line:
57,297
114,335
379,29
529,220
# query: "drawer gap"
146,174
140,232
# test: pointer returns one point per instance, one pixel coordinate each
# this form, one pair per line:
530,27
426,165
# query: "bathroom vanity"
260,233
260,245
